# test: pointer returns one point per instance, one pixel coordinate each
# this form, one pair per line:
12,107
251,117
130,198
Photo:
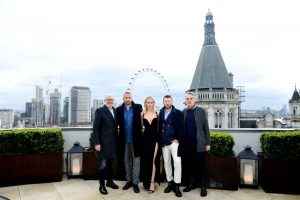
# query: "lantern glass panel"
75,164
249,172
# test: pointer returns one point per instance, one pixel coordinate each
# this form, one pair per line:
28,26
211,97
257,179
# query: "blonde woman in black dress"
150,158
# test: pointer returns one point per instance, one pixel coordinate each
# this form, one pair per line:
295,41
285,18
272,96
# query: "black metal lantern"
74,161
248,161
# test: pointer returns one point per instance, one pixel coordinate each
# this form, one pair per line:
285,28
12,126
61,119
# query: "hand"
207,147
97,147
175,141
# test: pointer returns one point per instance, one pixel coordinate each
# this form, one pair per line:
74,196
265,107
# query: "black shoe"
177,191
112,185
102,189
127,185
189,188
169,188
203,192
136,188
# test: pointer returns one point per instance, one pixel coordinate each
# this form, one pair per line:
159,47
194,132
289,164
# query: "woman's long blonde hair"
145,104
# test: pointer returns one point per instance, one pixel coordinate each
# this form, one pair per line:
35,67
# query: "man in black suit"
105,129
195,145
130,139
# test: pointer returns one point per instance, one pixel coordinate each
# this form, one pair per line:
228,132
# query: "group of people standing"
139,136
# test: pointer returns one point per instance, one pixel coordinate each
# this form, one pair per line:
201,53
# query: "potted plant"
280,162
222,164
31,155
89,162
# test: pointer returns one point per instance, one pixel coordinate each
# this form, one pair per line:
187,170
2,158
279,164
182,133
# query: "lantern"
74,161
248,161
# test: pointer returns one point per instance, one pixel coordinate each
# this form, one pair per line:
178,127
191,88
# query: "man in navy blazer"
170,130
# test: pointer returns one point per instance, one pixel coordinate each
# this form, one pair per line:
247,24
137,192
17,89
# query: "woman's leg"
153,168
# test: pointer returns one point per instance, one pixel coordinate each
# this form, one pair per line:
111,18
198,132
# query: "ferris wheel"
148,70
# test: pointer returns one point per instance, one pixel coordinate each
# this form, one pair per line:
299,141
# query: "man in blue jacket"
170,129
130,140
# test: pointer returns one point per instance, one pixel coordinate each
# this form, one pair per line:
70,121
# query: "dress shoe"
189,188
102,189
136,188
177,191
169,188
127,185
203,192
112,185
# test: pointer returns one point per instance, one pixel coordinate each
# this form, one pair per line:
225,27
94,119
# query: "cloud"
101,43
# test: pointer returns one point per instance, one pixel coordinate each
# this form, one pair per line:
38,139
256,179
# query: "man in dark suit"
130,139
195,145
170,130
105,129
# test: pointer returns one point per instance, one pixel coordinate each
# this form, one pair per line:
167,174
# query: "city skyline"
92,49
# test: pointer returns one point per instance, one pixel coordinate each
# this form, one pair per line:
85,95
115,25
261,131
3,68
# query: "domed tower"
212,83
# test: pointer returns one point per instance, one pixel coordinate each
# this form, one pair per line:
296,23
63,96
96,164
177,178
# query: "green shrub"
221,144
31,140
281,145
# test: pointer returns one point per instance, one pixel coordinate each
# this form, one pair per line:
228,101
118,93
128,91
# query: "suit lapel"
184,114
115,114
197,117
108,113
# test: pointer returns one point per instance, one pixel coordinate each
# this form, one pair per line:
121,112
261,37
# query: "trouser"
169,153
132,165
195,168
105,168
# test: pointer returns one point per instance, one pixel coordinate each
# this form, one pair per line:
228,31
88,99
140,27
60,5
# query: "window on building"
230,119
218,119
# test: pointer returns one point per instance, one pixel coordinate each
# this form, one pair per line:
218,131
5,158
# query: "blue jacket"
170,128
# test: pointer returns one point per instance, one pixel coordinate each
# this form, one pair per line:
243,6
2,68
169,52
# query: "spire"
210,71
209,29
296,95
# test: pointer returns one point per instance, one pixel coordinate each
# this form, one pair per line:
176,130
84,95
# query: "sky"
101,44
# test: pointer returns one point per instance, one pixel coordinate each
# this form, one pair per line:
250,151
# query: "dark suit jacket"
105,129
203,135
136,128
174,119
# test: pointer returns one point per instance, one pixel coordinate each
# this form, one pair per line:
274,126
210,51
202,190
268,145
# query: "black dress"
150,139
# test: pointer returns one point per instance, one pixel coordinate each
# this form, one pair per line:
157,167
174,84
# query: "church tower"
213,85
294,108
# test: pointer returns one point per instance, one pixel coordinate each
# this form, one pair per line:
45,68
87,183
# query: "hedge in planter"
280,162
222,165
30,155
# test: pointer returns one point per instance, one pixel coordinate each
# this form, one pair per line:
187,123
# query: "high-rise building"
97,103
66,111
39,93
55,110
213,85
6,118
38,108
80,105
28,109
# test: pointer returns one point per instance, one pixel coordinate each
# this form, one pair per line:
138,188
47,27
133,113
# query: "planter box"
30,168
223,172
89,165
280,176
